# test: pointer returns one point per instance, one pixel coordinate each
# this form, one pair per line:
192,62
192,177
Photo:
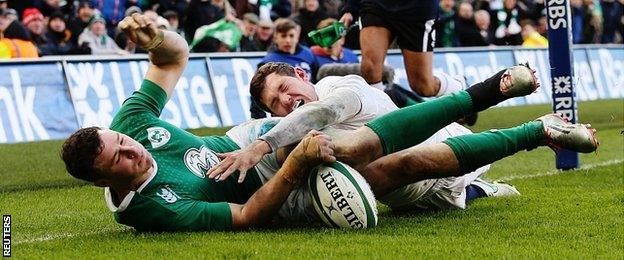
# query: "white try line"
103,231
66,235
555,172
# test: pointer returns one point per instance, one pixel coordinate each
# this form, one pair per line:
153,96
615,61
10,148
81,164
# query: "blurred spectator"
482,20
531,9
585,21
113,12
174,21
176,6
287,48
13,28
336,53
332,7
611,19
308,18
14,37
59,38
203,12
210,44
34,22
542,26
274,9
466,28
21,5
242,7
531,38
224,32
48,7
250,26
79,22
506,22
264,36
95,36
445,25
5,51
4,4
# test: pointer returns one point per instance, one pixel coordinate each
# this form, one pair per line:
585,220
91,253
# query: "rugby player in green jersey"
154,173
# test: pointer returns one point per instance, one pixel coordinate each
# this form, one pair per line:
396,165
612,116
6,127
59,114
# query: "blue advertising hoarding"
35,100
34,103
231,78
607,67
98,88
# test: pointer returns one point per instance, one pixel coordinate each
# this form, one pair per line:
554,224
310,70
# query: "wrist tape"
156,42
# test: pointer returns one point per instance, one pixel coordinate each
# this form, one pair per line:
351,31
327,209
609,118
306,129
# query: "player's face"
122,158
283,94
287,42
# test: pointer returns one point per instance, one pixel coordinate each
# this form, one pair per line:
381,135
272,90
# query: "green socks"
476,150
412,125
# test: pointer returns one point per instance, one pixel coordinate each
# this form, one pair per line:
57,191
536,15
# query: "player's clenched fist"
315,148
142,31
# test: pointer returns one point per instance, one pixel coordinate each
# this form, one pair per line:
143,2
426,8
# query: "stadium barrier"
52,97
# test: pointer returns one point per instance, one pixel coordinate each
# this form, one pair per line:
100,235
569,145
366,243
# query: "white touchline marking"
548,173
555,172
66,235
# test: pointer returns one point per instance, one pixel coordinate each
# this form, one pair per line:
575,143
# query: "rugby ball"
341,197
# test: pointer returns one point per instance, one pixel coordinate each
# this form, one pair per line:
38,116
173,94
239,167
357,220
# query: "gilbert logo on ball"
341,197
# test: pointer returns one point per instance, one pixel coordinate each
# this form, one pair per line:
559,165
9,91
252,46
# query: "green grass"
574,214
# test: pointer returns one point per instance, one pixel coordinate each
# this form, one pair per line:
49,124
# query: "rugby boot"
560,134
495,189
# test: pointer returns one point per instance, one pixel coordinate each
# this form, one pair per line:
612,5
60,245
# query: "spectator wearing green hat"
97,39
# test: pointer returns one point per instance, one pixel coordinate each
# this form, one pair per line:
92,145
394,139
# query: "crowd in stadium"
33,28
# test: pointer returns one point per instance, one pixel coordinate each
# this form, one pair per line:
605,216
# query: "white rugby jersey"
372,102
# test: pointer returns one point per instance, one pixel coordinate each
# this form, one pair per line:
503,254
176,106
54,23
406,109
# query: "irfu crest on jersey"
158,136
200,161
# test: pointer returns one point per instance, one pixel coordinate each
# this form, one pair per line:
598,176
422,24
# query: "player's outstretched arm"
263,205
168,51
334,109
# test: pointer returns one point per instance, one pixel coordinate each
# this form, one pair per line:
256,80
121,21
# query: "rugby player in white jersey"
347,103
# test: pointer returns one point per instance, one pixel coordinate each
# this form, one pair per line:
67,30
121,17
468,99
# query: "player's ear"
301,74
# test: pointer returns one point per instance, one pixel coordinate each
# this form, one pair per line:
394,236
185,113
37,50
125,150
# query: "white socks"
379,86
449,84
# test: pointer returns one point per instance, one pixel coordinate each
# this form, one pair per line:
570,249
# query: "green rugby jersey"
179,196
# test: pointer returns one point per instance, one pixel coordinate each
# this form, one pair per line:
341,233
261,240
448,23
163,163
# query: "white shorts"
435,194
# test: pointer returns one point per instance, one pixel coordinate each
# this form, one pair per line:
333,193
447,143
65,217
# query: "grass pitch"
573,214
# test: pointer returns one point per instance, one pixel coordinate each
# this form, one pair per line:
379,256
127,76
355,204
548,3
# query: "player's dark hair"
79,152
258,82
